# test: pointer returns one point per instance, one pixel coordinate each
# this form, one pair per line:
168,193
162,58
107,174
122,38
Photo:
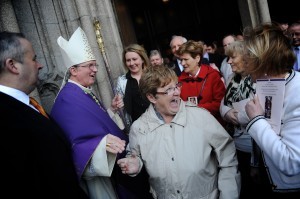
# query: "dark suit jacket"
213,58
216,58
35,157
175,66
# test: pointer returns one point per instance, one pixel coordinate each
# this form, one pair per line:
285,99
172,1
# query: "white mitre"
77,50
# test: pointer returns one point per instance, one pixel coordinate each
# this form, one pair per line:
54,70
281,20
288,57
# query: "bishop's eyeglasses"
90,66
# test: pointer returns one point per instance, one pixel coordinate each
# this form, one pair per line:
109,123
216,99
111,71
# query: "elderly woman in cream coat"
186,152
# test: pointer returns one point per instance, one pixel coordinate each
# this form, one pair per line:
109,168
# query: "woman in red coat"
200,83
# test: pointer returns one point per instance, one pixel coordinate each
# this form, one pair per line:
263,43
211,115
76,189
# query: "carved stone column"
8,22
44,21
254,12
82,13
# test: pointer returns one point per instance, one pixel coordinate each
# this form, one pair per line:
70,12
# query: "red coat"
207,87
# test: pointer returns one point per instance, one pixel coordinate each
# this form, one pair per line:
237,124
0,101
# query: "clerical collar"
85,89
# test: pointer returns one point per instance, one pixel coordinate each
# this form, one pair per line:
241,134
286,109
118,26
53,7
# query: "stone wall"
43,21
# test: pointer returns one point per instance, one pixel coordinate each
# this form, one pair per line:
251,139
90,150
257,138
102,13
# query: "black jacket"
36,159
175,66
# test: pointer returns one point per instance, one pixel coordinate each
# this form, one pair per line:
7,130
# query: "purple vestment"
84,123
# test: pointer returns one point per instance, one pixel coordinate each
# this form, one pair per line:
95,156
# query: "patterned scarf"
238,89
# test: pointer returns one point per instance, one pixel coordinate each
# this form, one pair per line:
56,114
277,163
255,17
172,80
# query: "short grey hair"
11,47
154,52
183,39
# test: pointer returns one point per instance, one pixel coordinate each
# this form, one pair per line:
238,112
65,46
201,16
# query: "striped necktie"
36,105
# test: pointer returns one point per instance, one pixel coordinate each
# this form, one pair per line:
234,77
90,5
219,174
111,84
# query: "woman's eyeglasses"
170,91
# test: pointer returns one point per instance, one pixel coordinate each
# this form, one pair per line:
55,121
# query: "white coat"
193,157
282,152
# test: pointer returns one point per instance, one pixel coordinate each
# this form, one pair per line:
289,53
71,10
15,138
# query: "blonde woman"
135,59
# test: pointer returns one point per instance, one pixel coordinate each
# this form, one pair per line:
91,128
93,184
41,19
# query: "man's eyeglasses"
170,91
90,66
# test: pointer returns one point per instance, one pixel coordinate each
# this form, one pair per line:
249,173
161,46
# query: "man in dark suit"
36,159
175,43
294,34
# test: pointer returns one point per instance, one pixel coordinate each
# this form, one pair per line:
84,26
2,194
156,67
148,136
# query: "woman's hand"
253,108
117,103
129,165
231,116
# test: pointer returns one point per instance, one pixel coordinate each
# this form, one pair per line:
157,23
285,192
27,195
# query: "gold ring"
108,144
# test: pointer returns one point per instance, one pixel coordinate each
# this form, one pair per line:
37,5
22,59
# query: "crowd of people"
191,128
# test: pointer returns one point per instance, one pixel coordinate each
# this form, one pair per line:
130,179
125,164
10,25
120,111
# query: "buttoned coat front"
192,157
209,89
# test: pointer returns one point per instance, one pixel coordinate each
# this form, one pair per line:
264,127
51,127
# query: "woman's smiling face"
134,62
